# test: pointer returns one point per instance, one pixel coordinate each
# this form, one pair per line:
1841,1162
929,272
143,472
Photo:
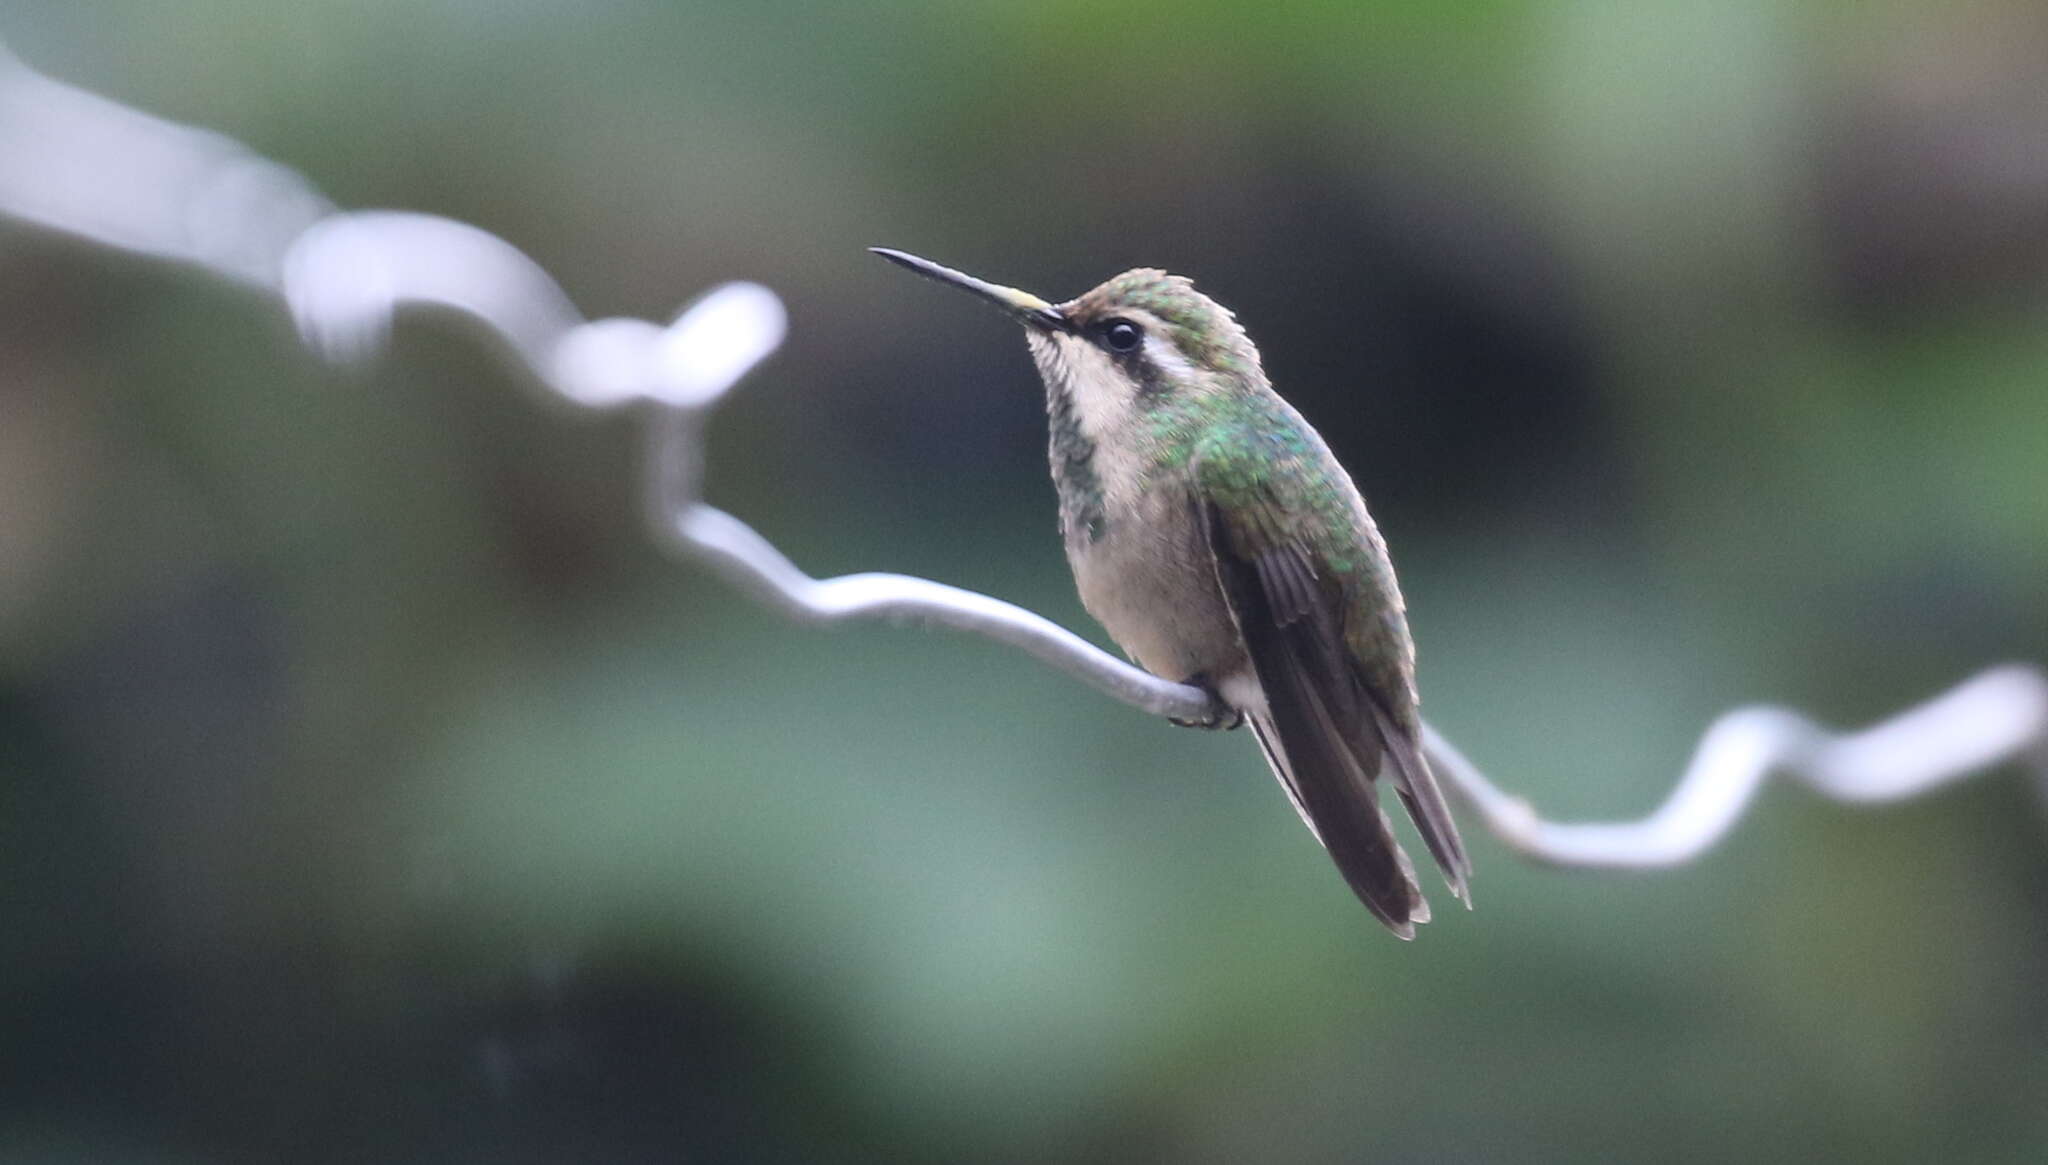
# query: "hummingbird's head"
1141,339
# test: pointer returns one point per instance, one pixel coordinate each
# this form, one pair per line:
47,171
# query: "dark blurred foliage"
371,791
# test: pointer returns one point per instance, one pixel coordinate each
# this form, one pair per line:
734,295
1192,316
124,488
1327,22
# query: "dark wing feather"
1319,730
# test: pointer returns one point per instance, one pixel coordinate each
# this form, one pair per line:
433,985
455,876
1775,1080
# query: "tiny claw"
1222,717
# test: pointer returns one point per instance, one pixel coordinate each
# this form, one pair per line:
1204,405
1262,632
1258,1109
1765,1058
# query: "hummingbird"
1215,537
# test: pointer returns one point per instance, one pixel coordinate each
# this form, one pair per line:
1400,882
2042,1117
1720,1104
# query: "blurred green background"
370,790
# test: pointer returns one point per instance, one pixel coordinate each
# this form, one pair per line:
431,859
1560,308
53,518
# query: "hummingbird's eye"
1121,335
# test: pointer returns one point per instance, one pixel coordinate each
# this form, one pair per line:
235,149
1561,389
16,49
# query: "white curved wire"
1998,716
75,162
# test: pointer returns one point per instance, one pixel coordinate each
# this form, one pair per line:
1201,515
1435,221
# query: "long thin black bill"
1019,305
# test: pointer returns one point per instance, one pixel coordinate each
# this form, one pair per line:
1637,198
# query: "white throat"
1101,393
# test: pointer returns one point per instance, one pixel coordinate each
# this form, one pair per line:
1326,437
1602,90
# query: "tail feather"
1424,798
1332,794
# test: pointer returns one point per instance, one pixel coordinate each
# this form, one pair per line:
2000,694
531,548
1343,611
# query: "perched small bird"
1217,540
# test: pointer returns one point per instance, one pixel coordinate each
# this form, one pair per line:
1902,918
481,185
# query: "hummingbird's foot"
1222,716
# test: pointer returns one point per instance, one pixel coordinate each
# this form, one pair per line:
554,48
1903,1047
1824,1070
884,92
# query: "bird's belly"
1151,583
